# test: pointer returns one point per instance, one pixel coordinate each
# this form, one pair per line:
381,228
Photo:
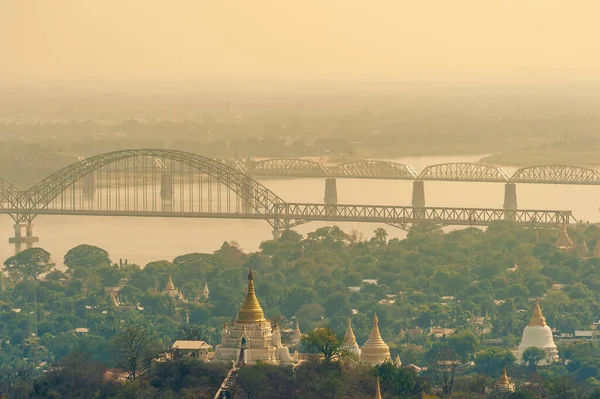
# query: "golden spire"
537,319
297,327
378,392
349,337
504,378
375,336
251,312
170,286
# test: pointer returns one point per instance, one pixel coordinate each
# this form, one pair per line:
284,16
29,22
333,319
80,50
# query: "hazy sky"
96,41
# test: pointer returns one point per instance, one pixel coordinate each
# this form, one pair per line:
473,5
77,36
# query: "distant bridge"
459,171
167,183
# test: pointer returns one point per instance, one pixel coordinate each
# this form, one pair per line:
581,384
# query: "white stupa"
538,334
350,340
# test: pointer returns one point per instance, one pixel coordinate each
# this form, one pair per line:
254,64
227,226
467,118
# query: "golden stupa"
504,383
378,391
564,241
251,312
170,286
375,351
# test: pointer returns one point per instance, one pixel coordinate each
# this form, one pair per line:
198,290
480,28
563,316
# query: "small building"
81,331
370,281
190,349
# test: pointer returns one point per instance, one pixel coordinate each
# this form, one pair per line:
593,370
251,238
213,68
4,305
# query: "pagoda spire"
537,318
170,286
378,391
564,241
251,312
349,337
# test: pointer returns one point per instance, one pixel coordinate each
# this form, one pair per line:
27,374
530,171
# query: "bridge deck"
291,214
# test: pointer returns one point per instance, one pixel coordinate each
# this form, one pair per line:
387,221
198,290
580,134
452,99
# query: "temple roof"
170,286
537,318
349,337
564,241
251,312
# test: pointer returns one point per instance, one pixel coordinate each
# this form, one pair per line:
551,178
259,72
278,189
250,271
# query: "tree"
533,355
491,361
324,341
77,376
444,362
87,256
133,350
28,264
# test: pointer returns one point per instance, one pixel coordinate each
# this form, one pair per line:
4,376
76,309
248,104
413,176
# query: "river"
141,240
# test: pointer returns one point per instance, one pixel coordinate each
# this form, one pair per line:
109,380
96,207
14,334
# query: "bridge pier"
510,201
246,196
418,198
510,197
89,184
19,238
331,197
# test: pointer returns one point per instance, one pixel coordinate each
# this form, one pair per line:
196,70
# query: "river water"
141,240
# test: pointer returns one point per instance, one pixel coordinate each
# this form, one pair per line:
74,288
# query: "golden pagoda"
378,391
170,288
582,249
296,337
350,340
206,291
538,334
251,312
250,338
504,384
397,361
375,351
564,242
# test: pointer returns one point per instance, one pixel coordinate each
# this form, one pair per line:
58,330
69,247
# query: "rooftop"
190,345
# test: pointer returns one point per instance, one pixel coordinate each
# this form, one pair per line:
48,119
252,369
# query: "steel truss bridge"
468,172
167,183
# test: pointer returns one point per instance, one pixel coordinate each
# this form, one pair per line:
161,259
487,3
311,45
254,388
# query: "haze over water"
142,240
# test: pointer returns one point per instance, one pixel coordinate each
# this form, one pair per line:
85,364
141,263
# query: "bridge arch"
289,167
464,171
8,193
259,198
375,170
557,174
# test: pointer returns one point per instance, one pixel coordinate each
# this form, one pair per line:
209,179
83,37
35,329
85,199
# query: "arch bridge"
168,183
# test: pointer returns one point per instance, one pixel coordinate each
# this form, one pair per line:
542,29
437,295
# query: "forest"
62,331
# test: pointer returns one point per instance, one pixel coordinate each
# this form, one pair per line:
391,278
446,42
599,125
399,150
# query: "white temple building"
251,338
538,334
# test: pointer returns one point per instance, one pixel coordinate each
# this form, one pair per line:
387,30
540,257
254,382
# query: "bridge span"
451,172
167,183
